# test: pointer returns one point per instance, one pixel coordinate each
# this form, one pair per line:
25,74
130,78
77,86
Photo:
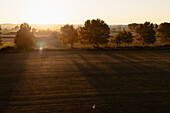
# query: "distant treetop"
94,32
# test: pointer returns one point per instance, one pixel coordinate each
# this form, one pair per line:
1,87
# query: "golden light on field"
48,13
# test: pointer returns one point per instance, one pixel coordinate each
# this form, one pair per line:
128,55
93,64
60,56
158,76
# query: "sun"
48,13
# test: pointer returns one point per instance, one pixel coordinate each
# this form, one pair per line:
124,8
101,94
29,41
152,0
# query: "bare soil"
127,81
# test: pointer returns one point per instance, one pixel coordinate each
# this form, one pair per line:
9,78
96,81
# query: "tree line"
0,36
96,32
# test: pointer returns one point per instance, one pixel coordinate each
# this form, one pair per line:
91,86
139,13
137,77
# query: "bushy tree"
117,39
0,35
123,37
146,33
163,32
24,38
94,32
0,29
69,35
0,40
127,37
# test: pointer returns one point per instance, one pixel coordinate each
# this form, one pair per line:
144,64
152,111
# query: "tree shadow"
122,81
143,71
12,67
101,79
90,69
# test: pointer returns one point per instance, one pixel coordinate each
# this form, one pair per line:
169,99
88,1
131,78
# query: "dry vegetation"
73,81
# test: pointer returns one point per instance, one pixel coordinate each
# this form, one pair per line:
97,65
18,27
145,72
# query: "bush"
69,35
24,38
146,33
123,37
163,32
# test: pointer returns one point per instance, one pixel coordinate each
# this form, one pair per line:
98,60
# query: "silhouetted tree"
0,29
127,37
132,26
94,32
163,32
69,35
117,39
0,35
123,37
0,40
24,38
146,33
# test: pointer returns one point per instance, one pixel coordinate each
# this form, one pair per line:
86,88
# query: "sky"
78,11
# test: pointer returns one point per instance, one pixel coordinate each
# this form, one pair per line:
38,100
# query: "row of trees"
0,35
145,33
96,32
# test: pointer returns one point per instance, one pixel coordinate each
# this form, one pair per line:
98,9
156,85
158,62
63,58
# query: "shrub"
24,38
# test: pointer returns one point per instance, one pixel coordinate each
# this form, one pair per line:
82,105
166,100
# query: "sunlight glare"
48,13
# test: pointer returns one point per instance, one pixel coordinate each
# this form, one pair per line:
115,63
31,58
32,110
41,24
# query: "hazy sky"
78,11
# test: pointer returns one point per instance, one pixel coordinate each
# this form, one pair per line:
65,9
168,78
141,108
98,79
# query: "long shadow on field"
12,67
138,65
100,80
146,73
144,76
126,82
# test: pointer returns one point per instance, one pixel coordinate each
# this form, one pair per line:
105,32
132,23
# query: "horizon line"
80,24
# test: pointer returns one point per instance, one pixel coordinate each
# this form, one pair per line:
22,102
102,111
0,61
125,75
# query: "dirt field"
73,81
